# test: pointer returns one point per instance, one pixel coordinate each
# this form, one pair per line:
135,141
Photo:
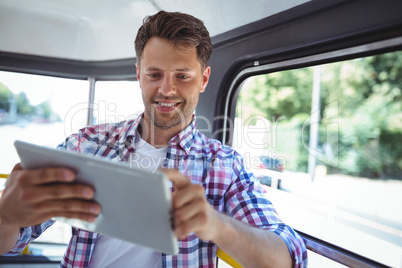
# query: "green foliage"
45,110
390,154
362,96
372,131
5,96
23,106
287,143
277,95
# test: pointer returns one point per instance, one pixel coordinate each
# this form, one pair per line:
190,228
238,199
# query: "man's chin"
167,124
168,120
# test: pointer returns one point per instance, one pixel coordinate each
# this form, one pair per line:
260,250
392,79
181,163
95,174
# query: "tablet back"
135,203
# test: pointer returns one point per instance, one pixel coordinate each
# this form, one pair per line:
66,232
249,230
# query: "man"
216,202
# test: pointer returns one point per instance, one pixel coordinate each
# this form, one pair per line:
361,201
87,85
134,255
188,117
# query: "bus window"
326,139
116,101
42,110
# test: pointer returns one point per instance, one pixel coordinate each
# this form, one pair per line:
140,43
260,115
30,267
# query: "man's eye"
183,76
153,75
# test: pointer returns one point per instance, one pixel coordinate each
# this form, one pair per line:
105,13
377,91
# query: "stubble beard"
167,122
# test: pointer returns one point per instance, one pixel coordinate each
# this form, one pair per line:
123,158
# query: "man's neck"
158,137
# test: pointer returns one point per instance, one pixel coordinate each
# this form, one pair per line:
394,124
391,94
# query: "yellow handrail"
226,258
3,176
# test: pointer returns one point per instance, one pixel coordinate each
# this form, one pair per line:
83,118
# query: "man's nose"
167,87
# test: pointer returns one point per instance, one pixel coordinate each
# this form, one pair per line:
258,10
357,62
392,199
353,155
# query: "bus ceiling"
94,38
82,33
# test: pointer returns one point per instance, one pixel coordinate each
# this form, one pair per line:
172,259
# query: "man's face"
171,80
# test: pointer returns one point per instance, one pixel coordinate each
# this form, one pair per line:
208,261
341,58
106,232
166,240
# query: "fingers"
49,175
57,191
17,167
191,218
22,215
179,180
40,176
187,195
69,207
83,210
34,196
190,226
47,184
191,210
39,218
199,218
62,191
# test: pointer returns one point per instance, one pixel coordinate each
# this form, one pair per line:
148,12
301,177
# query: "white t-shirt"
112,252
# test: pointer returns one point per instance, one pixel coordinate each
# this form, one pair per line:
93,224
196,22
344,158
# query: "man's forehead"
178,69
157,44
160,54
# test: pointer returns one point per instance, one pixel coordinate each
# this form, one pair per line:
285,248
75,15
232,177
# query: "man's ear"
138,71
205,78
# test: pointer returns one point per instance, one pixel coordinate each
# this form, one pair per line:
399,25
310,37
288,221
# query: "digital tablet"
136,203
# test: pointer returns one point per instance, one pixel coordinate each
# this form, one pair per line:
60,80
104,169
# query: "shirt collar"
126,143
184,139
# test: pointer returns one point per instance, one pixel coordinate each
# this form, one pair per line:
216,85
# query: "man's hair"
179,28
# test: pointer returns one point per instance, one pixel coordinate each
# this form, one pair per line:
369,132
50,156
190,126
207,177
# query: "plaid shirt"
229,188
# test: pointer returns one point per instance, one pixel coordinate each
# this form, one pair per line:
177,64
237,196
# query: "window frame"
315,244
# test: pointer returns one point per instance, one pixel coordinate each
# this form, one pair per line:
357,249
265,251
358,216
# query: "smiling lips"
166,106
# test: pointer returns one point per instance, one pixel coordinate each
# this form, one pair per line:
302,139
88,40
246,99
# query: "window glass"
116,101
41,110
327,139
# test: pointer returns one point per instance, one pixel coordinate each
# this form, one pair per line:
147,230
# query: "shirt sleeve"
247,201
71,143
27,235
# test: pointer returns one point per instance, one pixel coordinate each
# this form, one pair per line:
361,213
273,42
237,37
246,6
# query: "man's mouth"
166,107
167,104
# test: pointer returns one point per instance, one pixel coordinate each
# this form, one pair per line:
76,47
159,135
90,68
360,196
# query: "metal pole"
315,121
91,98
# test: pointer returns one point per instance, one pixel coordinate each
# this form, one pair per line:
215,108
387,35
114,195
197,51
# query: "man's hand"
191,210
34,196
248,245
